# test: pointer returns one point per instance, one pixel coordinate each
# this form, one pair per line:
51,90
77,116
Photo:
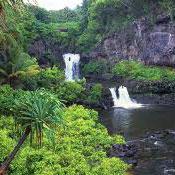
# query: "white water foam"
124,100
72,66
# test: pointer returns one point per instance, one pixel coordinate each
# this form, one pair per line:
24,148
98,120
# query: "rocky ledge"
145,92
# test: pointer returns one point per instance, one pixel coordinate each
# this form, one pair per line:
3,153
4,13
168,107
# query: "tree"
40,14
9,9
84,15
34,113
64,15
169,6
14,61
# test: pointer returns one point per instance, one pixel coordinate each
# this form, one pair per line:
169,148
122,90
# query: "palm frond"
40,110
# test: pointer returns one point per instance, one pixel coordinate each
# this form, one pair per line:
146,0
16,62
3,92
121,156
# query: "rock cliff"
150,42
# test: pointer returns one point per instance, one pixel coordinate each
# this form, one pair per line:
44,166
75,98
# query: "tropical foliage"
95,94
96,67
79,148
34,112
53,139
71,92
45,78
137,70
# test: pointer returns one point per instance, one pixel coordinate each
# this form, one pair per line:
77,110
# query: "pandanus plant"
34,113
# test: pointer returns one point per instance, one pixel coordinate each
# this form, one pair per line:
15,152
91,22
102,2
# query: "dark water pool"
152,130
134,123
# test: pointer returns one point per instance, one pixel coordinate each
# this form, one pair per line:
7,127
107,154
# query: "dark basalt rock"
42,48
163,19
151,43
153,154
125,152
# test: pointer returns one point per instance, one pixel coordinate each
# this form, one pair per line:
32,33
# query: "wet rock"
133,162
40,46
148,157
163,19
125,152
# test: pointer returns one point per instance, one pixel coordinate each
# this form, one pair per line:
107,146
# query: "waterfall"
169,39
139,29
124,99
114,96
72,66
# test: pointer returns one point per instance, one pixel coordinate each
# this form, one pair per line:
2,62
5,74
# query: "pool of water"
152,128
134,123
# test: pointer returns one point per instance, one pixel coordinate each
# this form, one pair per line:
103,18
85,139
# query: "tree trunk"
5,165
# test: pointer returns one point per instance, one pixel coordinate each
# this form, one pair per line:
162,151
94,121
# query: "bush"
70,91
95,93
137,70
6,99
95,67
46,78
80,148
6,144
50,77
112,166
87,41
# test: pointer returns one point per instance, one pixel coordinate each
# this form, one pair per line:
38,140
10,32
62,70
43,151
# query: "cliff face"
153,44
150,42
46,51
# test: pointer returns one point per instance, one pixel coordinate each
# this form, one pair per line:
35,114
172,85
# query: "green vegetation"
45,137
33,112
44,78
103,17
97,67
95,94
79,146
74,30
71,92
6,99
137,70
80,29
168,6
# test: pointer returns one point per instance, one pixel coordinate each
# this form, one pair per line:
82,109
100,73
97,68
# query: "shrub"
80,148
87,41
6,99
112,166
95,93
6,144
7,141
46,78
70,91
137,70
95,67
50,77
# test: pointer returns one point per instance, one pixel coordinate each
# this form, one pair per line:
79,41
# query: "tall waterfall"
123,100
72,66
